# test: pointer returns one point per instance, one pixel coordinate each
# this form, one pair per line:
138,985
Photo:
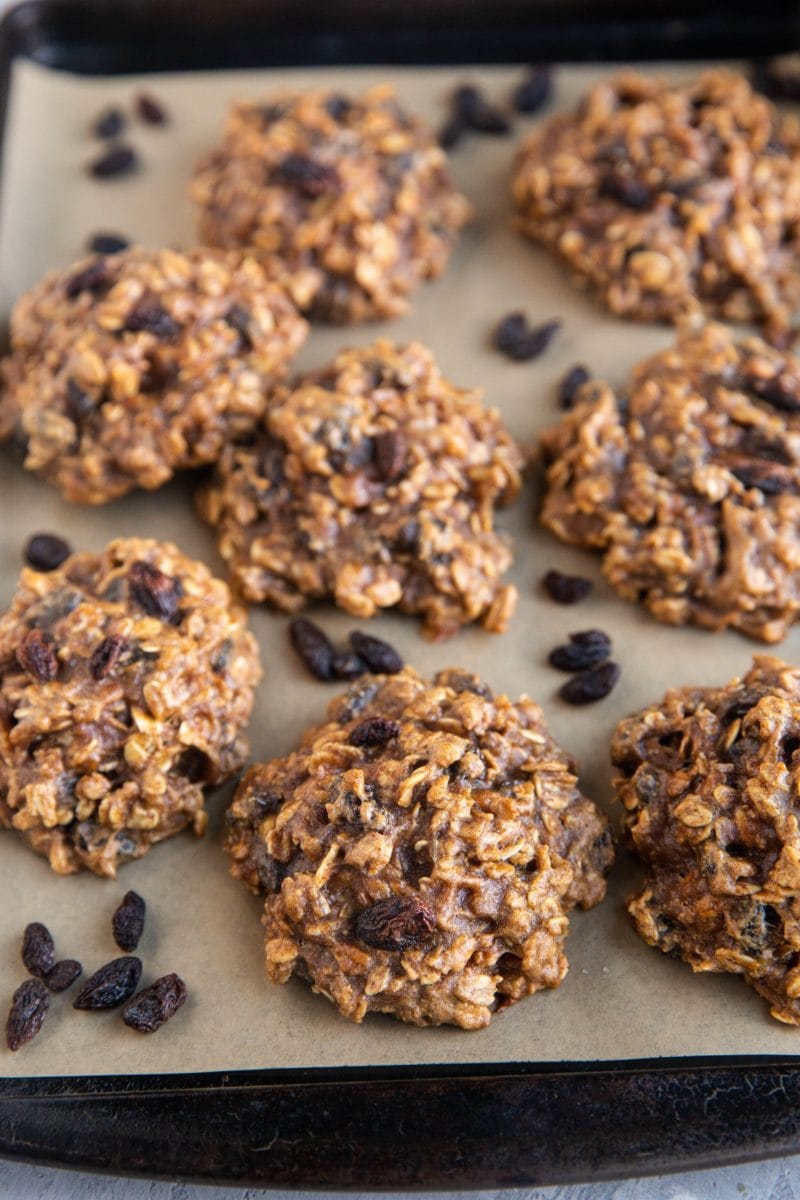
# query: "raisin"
157,593
338,106
93,278
313,646
534,92
347,666
46,551
380,657
475,111
109,124
127,924
119,160
628,191
585,649
518,341
306,175
239,319
452,132
591,685
150,110
196,766
566,589
154,1005
111,985
374,731
152,318
107,243
29,1006
222,657
106,657
767,477
781,394
38,949
569,384
37,655
390,449
395,924
63,974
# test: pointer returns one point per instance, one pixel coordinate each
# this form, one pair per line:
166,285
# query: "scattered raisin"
594,684
628,191
380,657
38,948
107,243
94,278
150,110
585,649
374,731
390,454
306,175
313,646
534,92
152,318
566,589
63,974
347,666
127,924
111,985
119,160
157,593
37,655
569,384
154,1005
395,924
106,657
452,132
475,111
109,124
518,341
29,1006
46,551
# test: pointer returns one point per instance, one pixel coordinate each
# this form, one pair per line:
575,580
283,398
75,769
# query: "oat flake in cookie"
709,781
665,199
126,679
350,194
373,482
420,851
689,482
129,367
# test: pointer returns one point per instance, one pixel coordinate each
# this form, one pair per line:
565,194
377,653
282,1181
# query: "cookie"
709,782
126,679
689,482
667,199
349,194
374,483
130,367
420,851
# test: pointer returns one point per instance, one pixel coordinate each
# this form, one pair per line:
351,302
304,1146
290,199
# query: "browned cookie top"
709,780
665,198
129,367
419,852
126,679
351,194
690,483
373,482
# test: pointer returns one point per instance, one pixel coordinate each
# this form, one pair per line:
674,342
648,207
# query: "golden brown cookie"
349,194
126,680
689,483
372,482
663,199
420,851
129,367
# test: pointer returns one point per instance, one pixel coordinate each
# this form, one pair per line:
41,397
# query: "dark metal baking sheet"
401,1127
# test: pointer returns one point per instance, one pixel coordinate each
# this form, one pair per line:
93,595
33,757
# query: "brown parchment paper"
620,999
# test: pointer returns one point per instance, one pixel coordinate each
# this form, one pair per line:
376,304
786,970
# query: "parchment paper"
621,999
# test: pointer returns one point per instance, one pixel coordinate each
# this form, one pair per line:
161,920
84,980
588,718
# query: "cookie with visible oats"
129,367
349,195
420,851
663,199
689,483
708,779
372,482
126,680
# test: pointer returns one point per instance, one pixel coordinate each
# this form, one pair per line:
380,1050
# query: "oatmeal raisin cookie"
373,482
690,483
126,679
349,194
131,366
709,780
420,851
663,199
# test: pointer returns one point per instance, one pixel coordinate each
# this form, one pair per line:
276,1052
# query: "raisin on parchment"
127,923
152,1006
38,948
111,985
29,1006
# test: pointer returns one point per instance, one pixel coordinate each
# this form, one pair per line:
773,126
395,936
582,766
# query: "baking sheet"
620,999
